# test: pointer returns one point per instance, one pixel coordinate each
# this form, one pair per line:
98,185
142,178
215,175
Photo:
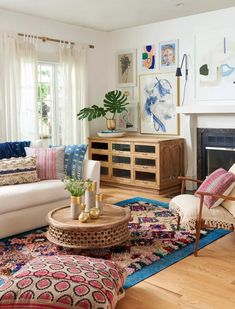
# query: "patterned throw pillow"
73,160
219,182
50,161
18,170
13,149
70,281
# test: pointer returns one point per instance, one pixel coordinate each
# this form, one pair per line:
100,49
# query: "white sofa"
24,206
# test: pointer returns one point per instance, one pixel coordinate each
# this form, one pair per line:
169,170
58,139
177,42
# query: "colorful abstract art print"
168,55
148,57
158,101
215,66
128,121
126,68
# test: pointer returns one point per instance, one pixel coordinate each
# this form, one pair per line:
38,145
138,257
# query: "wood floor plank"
205,282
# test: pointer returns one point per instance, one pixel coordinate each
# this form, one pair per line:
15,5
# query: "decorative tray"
111,133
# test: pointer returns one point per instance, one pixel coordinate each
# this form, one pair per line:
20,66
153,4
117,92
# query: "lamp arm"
185,57
182,61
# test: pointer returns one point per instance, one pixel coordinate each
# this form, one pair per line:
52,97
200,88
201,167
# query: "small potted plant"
76,187
114,103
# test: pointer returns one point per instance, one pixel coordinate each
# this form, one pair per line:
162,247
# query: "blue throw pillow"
73,160
13,149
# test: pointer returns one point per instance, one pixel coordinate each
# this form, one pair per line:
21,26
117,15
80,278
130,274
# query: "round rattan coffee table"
108,230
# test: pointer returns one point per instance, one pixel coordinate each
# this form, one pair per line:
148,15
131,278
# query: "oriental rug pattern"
154,243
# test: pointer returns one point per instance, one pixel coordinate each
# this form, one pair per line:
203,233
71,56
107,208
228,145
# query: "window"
47,99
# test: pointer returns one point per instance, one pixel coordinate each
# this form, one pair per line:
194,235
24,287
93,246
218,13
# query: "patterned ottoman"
57,282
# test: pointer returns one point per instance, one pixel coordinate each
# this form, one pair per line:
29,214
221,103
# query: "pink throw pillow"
219,182
69,281
49,161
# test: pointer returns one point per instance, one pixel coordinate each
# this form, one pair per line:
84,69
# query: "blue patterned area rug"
154,243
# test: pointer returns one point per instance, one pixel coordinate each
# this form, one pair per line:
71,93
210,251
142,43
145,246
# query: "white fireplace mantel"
205,109
190,114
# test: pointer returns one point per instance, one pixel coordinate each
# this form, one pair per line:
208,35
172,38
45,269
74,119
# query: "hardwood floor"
205,282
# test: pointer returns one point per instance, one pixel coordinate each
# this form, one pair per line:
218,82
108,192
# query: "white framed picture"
148,58
158,101
215,66
126,68
168,55
128,121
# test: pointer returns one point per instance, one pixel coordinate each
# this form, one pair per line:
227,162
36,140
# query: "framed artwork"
158,101
148,58
168,55
215,66
126,68
128,92
128,121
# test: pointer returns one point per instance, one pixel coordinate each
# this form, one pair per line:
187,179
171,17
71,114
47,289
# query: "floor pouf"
70,281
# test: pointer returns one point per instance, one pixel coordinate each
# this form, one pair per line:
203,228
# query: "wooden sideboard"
144,162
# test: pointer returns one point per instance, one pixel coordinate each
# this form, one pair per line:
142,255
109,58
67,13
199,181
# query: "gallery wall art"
158,101
148,58
168,55
215,66
128,121
126,68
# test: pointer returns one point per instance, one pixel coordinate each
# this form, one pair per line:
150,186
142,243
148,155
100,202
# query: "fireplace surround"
215,148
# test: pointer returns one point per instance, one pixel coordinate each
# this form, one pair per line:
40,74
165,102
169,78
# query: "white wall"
184,29
97,75
101,60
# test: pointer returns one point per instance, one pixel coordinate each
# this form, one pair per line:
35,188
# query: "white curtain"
18,104
73,92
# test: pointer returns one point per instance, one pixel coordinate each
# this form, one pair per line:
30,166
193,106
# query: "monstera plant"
115,102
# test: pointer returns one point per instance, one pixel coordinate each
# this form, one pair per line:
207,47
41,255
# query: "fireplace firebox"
215,148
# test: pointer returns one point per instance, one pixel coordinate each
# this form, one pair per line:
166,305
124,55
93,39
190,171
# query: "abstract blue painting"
158,101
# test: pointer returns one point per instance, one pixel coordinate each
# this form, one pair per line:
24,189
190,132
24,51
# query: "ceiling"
109,15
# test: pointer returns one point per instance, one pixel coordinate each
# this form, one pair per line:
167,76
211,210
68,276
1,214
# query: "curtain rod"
44,39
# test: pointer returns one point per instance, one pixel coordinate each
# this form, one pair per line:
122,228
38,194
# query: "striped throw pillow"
18,170
219,182
50,161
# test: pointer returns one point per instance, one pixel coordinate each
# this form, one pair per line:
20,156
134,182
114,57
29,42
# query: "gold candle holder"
84,216
94,213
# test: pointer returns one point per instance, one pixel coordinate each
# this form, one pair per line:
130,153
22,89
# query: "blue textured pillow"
73,160
13,149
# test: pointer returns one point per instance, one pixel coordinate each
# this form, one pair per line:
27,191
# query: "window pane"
46,104
46,73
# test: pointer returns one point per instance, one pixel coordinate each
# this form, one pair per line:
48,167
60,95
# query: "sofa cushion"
64,282
13,149
50,161
73,160
18,170
16,197
187,206
219,182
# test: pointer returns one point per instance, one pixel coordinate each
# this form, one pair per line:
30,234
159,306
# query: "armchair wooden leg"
183,186
197,239
198,228
178,222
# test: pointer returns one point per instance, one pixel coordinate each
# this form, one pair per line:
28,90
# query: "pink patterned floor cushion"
219,182
64,282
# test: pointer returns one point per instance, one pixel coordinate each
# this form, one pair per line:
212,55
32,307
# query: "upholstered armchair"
194,214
